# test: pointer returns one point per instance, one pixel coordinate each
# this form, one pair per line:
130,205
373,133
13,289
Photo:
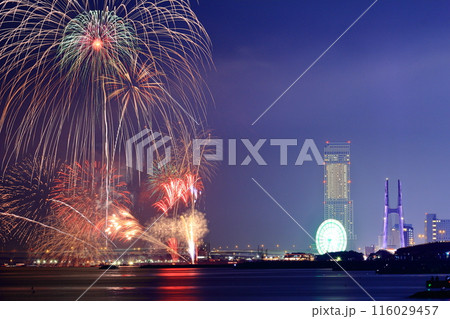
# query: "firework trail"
6,227
180,180
84,216
30,196
25,190
58,246
171,248
124,226
94,71
177,189
178,184
172,242
44,225
166,230
78,206
90,188
195,228
186,230
84,189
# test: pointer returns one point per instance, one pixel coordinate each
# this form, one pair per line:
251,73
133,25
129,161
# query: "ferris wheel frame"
331,237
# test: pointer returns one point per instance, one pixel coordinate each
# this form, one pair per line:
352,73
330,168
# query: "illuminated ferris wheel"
331,237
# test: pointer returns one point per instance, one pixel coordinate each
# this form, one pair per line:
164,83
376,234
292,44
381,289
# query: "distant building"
337,201
408,232
421,239
430,253
436,229
299,257
369,250
380,243
429,227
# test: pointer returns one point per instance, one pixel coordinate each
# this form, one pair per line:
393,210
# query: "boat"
435,283
436,289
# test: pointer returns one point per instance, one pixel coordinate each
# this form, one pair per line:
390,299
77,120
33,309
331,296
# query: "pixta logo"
146,143
307,152
151,142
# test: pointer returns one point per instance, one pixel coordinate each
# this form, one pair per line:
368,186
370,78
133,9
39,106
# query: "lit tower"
388,211
337,201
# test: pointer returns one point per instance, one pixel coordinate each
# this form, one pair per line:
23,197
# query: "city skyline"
382,86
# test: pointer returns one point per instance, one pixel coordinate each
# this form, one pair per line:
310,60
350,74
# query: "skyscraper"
436,229
408,233
337,201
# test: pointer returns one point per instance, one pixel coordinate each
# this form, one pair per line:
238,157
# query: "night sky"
384,86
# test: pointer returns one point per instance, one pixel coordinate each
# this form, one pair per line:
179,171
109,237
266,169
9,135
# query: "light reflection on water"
120,288
203,284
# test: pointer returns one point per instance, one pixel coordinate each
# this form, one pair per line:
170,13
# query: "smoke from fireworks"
195,228
182,233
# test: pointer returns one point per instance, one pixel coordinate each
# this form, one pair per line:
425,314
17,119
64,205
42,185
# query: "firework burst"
180,180
182,233
124,226
164,234
24,196
78,65
79,239
178,189
78,209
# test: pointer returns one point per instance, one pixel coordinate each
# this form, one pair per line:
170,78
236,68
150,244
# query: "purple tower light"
388,211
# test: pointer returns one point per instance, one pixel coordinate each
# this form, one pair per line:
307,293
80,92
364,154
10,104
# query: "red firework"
178,189
173,245
83,194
